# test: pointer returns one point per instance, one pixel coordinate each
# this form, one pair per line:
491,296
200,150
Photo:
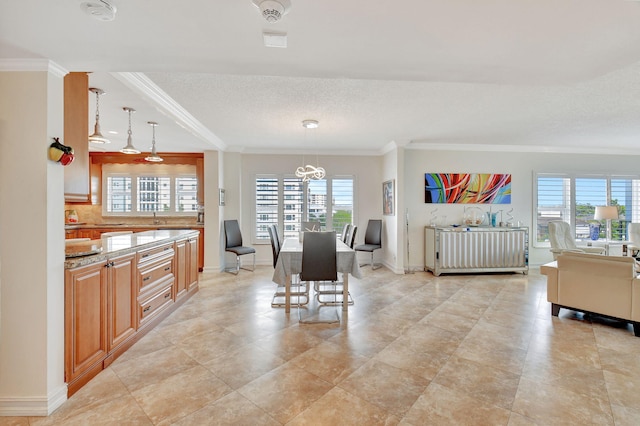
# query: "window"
142,189
287,202
573,199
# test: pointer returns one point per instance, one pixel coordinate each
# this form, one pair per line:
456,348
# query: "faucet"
155,219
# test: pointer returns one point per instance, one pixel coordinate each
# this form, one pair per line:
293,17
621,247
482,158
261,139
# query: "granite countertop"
83,225
93,251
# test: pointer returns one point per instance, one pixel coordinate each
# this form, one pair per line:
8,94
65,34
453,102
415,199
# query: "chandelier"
308,171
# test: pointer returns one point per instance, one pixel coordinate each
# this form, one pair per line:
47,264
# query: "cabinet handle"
146,309
145,255
167,295
167,268
166,248
146,278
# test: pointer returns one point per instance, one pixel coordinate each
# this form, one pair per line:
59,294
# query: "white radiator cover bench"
472,250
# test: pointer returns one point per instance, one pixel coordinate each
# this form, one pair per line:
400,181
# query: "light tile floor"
414,350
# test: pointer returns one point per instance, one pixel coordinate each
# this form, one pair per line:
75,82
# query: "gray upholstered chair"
233,244
562,240
345,232
372,239
319,265
275,243
351,236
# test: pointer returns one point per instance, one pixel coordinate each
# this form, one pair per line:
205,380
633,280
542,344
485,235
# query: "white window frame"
134,171
305,213
634,216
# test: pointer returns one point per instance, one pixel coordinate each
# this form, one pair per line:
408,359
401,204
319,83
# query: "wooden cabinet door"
181,269
85,318
122,298
192,263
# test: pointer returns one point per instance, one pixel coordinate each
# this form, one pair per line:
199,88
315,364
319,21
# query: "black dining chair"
351,237
372,239
345,232
275,243
233,244
319,265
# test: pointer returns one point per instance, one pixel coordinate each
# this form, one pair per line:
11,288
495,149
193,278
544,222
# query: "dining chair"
275,243
562,240
345,232
372,239
233,244
319,265
324,291
351,237
299,291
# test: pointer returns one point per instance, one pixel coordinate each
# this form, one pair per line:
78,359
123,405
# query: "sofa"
592,283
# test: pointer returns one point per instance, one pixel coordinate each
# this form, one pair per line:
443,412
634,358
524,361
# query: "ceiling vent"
273,10
99,9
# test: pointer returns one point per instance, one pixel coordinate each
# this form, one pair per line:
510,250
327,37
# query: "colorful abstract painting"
467,188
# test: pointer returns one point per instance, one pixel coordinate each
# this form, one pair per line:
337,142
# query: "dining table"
290,263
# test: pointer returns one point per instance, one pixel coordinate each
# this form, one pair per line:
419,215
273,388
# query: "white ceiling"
551,75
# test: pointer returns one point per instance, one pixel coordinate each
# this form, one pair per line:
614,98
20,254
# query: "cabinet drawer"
149,307
152,254
154,272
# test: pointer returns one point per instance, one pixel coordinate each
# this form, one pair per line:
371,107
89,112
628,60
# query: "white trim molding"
35,64
33,406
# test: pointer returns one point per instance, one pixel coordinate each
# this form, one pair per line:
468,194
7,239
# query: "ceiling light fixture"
308,171
153,157
273,10
129,148
97,137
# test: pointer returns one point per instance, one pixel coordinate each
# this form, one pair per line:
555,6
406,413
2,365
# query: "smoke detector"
99,9
273,10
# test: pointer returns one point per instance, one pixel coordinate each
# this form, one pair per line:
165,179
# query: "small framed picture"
388,197
221,197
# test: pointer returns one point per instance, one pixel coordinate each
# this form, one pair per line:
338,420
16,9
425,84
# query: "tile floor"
413,350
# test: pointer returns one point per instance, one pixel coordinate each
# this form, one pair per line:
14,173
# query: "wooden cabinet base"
74,385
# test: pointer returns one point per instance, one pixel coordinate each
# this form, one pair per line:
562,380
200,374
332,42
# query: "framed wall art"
388,197
467,188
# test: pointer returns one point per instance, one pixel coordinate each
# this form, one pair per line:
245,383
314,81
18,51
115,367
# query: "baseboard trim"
33,406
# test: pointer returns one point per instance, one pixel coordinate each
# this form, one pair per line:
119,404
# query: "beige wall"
31,243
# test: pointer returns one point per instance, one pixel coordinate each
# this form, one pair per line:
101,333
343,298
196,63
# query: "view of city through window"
287,202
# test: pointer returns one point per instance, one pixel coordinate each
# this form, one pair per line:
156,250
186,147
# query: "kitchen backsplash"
93,214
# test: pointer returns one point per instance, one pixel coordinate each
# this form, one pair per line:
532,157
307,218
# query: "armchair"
562,240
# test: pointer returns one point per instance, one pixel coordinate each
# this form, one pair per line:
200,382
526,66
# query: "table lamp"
606,213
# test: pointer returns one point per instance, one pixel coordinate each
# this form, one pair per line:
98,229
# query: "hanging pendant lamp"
97,136
129,148
153,157
307,172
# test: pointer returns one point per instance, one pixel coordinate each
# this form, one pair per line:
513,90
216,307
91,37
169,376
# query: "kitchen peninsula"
117,289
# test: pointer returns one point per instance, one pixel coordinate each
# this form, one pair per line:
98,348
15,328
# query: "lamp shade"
606,212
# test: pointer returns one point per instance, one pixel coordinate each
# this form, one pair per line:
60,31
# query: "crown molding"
428,146
32,65
142,85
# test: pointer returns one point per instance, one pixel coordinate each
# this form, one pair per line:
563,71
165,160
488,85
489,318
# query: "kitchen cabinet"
76,133
99,314
121,275
187,262
86,290
155,281
114,298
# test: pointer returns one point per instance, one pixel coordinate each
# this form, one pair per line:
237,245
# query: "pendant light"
129,148
307,172
97,137
154,157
